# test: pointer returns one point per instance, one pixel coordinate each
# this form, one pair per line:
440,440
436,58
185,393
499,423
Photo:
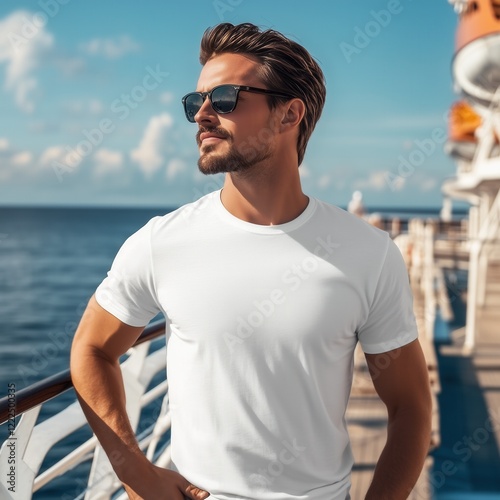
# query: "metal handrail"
50,387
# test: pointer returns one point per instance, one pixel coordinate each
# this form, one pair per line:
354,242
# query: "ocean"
51,261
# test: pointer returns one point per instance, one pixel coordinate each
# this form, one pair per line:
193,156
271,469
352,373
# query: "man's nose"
206,113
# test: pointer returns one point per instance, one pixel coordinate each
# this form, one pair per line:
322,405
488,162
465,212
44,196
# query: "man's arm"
99,342
403,385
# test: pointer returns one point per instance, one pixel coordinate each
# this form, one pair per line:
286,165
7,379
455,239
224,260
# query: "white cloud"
51,154
151,152
13,162
377,181
111,48
95,106
59,159
4,144
107,161
22,159
408,144
22,49
397,183
304,171
166,97
324,181
175,167
109,157
428,184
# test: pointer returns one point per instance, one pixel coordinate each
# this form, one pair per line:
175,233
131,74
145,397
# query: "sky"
90,98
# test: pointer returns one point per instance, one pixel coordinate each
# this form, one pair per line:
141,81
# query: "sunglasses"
223,99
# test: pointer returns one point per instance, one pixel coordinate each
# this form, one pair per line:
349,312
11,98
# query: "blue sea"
51,261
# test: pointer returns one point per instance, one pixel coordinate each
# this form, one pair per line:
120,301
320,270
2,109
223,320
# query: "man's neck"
268,201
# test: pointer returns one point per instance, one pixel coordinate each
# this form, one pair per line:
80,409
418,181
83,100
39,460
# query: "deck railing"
27,445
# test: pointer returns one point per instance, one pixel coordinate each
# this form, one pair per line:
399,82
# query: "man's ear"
293,114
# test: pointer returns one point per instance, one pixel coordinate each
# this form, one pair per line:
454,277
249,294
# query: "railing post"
472,292
24,475
429,277
487,230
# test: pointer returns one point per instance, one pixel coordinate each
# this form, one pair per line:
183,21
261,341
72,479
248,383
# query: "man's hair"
285,66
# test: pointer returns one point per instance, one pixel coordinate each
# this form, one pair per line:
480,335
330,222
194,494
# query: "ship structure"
474,133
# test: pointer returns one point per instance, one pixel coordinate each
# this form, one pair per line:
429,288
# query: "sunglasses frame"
237,88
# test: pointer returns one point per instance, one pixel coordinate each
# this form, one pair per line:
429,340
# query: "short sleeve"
128,292
391,322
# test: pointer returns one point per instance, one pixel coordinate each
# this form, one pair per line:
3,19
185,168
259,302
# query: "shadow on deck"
467,463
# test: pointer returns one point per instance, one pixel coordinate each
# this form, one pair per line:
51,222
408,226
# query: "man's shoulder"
184,217
347,224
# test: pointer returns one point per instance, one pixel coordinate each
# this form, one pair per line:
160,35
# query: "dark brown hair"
285,66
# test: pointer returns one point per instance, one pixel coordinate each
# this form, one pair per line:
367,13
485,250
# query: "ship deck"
464,458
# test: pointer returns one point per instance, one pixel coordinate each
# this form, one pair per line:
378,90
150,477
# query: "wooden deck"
465,461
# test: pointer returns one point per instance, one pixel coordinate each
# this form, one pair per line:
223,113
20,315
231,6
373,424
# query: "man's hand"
165,484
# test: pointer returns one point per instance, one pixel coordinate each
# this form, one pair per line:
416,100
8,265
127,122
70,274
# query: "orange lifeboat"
476,65
462,125
463,122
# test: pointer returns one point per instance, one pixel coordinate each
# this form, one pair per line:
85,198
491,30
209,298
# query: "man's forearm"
403,456
99,386
99,342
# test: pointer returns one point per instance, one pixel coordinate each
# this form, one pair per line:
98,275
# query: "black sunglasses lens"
224,99
192,104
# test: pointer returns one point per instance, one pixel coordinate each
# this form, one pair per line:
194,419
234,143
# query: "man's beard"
211,162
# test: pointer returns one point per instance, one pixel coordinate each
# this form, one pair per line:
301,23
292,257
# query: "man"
266,292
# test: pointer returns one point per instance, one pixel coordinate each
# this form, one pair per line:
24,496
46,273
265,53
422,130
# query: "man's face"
237,141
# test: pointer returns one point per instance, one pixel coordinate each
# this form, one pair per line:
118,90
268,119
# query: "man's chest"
230,292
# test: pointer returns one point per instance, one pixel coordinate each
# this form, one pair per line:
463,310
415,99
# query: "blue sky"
69,135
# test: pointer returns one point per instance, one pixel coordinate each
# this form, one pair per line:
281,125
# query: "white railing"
29,444
481,248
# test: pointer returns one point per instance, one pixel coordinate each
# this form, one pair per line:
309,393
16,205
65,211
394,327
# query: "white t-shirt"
263,324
